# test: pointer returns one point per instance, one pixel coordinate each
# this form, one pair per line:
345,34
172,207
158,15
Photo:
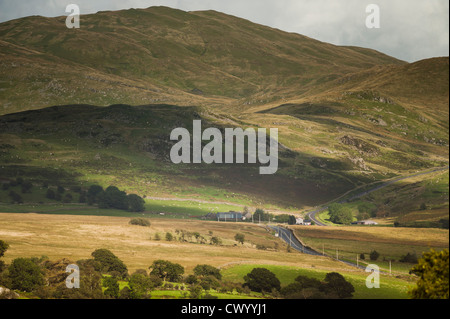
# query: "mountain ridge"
232,59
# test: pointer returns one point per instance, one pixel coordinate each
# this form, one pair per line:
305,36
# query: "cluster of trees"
192,237
113,197
285,219
334,286
408,258
25,188
110,197
340,214
261,216
61,195
366,210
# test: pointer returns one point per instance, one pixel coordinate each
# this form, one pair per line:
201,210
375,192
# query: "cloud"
410,29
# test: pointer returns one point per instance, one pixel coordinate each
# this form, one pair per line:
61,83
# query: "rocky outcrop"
361,146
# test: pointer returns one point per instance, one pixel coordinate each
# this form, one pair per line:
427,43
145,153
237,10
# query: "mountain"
164,55
97,104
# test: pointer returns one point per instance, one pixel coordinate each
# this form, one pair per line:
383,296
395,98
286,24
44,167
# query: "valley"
96,107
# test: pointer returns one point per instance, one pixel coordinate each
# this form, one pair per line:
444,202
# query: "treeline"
262,216
25,188
111,197
102,276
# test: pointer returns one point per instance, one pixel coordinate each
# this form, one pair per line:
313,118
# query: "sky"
409,30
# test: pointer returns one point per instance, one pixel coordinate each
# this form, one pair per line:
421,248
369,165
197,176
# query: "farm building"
230,216
301,221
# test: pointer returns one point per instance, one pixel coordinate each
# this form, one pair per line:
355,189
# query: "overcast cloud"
410,30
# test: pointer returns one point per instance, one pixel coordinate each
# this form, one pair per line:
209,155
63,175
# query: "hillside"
163,55
97,105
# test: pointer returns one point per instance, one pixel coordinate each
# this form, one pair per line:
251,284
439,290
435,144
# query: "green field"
390,286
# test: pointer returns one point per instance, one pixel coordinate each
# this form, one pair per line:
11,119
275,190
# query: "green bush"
374,255
433,272
140,222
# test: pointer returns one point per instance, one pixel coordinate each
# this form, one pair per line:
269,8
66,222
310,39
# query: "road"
312,214
290,239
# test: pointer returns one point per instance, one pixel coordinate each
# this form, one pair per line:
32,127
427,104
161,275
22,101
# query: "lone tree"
374,255
215,241
240,238
335,284
262,279
110,263
340,214
167,270
433,272
292,220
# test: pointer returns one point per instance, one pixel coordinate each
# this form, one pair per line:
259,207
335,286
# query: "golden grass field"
76,237
432,237
392,243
